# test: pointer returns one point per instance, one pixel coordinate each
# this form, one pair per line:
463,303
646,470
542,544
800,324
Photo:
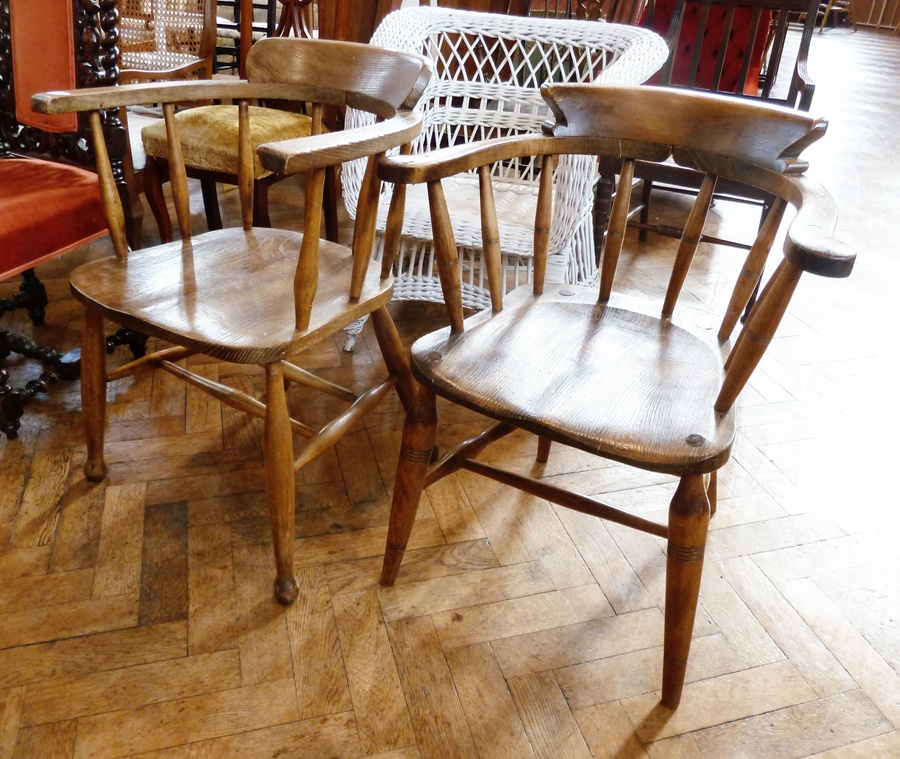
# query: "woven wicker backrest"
488,70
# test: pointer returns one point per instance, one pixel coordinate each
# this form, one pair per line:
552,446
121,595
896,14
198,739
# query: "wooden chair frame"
601,371
247,295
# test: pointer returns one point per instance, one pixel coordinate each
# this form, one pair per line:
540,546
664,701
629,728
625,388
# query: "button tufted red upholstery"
738,43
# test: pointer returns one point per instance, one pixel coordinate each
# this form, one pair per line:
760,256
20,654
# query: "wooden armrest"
66,101
445,162
305,153
810,245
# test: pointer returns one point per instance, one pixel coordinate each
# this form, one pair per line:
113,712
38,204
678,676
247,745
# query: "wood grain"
803,540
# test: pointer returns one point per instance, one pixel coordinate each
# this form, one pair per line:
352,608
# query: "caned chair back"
167,38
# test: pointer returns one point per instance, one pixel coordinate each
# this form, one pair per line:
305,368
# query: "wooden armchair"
728,46
606,372
250,295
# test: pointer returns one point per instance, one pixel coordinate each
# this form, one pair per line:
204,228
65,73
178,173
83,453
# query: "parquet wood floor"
136,617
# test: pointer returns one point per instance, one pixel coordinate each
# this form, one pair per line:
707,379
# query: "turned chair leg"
93,393
261,204
210,195
543,451
156,199
419,434
688,524
36,301
279,455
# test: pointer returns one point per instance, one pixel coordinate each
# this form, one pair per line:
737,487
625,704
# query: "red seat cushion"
46,209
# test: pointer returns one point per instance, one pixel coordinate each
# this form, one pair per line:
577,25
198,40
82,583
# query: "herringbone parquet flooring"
136,617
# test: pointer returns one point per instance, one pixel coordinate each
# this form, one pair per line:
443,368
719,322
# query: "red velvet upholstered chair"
46,208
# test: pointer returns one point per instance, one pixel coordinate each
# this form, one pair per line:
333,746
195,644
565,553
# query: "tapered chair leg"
419,434
688,524
156,199
209,192
279,455
93,393
394,355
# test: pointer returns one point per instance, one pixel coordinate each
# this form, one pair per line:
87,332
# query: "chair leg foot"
688,524
12,406
286,591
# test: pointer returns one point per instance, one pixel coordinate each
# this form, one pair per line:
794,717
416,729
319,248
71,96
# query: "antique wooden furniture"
613,11
724,46
46,210
488,71
250,295
609,372
47,207
831,9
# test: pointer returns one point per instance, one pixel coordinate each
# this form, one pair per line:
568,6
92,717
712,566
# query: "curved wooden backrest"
751,142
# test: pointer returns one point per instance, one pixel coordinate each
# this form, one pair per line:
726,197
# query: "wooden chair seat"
561,347
209,307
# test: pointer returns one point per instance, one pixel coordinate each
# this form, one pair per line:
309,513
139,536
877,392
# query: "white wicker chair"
489,68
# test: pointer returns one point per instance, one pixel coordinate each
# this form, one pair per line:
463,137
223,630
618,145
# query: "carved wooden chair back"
47,44
250,295
605,371
737,46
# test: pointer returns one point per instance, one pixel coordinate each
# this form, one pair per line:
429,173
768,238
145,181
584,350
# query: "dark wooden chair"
250,295
606,372
728,46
